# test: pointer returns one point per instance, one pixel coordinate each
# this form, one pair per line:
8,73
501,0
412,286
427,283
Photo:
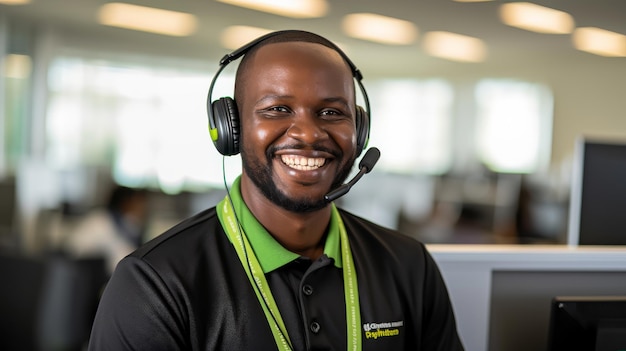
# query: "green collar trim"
270,253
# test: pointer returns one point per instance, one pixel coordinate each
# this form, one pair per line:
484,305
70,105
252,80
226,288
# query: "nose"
308,128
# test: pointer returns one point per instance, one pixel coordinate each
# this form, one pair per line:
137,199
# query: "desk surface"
522,253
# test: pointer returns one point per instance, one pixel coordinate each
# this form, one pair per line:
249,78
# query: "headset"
223,114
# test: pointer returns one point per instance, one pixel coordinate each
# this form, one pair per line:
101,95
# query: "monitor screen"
598,194
593,323
7,207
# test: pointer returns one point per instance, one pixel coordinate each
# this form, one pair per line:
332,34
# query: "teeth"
303,163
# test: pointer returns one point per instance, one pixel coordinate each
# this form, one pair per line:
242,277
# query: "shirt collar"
270,253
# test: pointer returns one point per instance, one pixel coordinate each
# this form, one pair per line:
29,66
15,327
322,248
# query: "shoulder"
182,256
192,235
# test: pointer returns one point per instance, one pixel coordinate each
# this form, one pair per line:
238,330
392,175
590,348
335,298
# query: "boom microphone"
365,166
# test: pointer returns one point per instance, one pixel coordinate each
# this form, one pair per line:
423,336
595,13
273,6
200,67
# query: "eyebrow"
333,99
339,99
271,97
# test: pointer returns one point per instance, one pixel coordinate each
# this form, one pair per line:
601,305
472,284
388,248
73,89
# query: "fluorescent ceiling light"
235,37
287,8
147,19
17,66
380,29
536,18
14,2
455,47
600,41
472,0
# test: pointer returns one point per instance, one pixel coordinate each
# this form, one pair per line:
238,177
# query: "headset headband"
228,58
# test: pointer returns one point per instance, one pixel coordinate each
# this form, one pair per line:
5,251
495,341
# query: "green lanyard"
255,273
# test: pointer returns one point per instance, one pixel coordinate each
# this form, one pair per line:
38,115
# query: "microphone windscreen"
369,160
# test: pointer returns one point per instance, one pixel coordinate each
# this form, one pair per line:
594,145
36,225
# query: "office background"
476,149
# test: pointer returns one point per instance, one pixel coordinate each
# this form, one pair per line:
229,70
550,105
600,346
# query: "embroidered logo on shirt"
381,330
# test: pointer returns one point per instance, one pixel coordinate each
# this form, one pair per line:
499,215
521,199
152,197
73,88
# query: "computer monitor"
7,208
598,194
593,323
520,302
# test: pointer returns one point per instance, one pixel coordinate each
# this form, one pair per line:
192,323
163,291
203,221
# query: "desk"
469,269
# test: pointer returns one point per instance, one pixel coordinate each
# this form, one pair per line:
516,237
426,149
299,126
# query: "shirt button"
307,290
315,327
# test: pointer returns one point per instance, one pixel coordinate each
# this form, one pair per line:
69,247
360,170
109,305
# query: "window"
514,125
150,123
412,124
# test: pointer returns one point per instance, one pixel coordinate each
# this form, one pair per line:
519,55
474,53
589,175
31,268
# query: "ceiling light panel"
234,37
380,29
455,47
15,2
600,41
286,8
147,19
536,18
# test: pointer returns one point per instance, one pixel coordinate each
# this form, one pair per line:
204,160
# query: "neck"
301,233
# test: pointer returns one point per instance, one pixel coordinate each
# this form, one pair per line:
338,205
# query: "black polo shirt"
187,290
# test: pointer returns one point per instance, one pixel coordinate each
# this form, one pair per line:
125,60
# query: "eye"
277,109
332,114
329,112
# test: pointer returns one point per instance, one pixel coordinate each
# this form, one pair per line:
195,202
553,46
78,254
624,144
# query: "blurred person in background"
114,231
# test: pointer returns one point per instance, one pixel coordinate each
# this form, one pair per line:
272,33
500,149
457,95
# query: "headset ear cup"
226,118
362,129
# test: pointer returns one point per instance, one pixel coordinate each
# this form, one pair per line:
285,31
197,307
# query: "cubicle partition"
502,294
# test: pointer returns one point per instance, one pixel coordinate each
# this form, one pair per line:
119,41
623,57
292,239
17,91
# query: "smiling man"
298,138
275,266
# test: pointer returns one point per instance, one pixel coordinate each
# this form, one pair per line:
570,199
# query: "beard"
261,175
